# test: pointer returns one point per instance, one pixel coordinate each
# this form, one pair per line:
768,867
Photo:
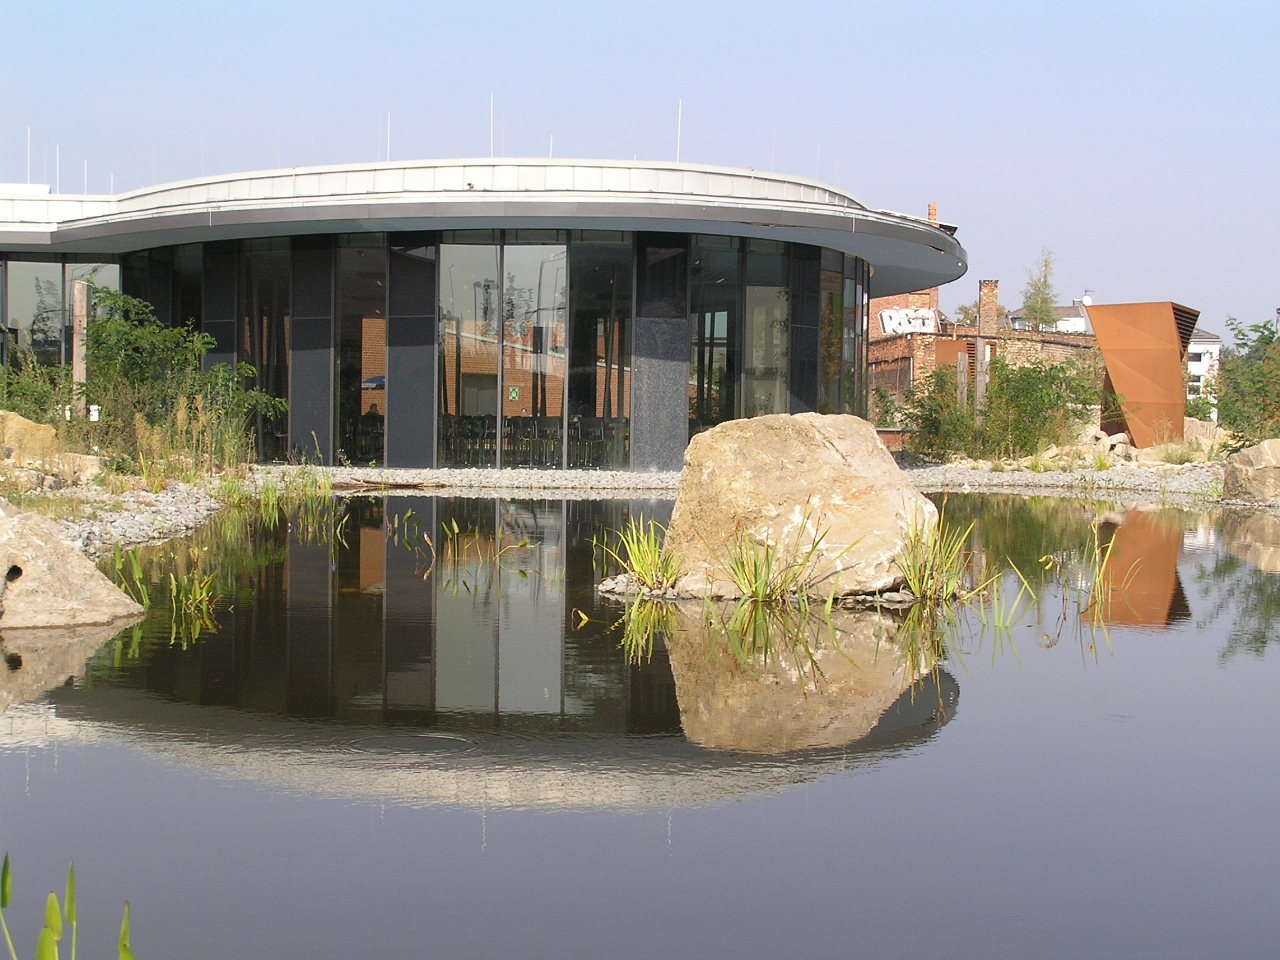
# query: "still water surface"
422,738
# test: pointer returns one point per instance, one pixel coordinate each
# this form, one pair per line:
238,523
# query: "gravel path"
142,517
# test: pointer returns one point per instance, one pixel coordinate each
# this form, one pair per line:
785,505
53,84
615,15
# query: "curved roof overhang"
905,253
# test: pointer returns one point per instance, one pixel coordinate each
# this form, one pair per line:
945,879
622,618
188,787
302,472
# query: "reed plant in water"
768,573
130,576
57,920
637,549
936,560
191,600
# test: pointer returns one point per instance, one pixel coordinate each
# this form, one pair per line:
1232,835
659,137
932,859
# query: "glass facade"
599,397
492,348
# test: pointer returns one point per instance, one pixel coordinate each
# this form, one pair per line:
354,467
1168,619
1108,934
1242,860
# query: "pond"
409,727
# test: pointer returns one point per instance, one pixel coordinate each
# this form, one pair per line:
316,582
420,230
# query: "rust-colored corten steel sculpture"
1143,346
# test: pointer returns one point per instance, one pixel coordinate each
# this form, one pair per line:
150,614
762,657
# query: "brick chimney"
933,213
988,304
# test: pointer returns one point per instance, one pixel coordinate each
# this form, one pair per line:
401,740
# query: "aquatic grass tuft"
638,549
935,560
766,573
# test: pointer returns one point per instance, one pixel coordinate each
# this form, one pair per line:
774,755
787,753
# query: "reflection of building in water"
416,659
1143,571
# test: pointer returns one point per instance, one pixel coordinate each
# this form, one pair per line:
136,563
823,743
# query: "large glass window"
715,317
831,332
33,310
469,330
263,338
600,266
533,350
362,347
853,388
767,333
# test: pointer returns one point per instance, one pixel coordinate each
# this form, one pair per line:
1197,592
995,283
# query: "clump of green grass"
765,572
638,550
935,560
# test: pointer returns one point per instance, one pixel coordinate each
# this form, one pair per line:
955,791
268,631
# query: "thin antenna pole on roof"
679,126
490,124
57,168
551,146
388,136
28,154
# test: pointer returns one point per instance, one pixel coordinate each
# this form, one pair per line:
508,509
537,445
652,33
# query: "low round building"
548,313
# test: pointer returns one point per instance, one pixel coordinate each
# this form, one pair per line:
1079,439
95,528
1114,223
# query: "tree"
1249,383
967,313
1038,297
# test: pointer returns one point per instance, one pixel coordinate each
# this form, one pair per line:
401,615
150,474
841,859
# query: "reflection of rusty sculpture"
1143,345
1142,571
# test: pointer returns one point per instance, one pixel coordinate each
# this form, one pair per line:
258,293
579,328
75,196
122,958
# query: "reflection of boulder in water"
831,687
1254,538
39,660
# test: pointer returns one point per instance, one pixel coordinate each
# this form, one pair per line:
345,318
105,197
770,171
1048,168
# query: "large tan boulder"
1253,473
793,481
23,441
47,582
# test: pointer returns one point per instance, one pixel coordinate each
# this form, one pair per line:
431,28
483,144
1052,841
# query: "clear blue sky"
1137,141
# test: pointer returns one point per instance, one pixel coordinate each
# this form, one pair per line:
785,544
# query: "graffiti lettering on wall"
909,320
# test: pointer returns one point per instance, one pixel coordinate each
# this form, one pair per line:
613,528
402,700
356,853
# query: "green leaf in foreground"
126,953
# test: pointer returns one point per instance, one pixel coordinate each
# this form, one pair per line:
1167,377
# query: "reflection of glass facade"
493,348
478,632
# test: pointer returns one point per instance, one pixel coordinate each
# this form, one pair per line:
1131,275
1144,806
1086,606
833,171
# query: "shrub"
161,411
1027,408
1249,383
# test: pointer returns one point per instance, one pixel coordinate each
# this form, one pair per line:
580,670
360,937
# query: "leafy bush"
1026,409
1249,383
32,390
939,425
162,413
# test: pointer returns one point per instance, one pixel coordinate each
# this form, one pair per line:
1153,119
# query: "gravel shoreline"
142,517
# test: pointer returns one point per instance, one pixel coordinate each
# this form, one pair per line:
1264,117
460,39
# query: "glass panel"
34,321
661,261
853,389
265,320
715,293
830,337
470,297
188,284
600,340
362,348
533,355
766,364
